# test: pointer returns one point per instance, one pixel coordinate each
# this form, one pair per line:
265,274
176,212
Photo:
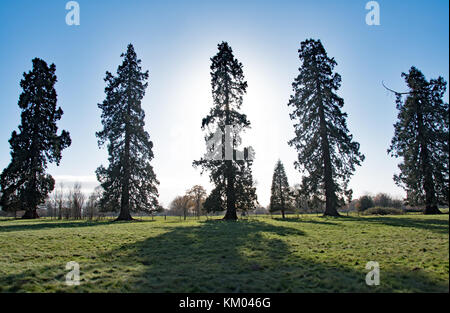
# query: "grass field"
309,254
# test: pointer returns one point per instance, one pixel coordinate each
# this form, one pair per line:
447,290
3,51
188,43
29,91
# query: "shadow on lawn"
435,225
246,256
49,224
304,220
218,256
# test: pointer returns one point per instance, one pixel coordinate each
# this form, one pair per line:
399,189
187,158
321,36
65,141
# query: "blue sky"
175,40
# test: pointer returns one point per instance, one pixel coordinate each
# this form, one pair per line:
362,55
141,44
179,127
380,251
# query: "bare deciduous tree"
181,205
198,195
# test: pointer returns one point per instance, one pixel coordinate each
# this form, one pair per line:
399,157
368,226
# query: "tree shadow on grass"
219,256
50,224
245,256
304,220
434,225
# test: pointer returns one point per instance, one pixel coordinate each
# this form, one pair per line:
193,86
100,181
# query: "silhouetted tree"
226,171
280,192
245,190
325,147
216,200
24,183
129,181
421,138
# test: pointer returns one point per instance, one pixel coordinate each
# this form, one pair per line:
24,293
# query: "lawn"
307,254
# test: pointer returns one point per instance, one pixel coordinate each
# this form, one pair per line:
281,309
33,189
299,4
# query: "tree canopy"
421,139
24,183
129,181
230,169
326,149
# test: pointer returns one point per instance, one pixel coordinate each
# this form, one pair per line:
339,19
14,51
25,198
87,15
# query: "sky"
175,41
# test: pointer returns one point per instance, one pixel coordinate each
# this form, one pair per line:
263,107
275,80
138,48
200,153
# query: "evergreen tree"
216,200
421,138
230,174
246,198
129,181
24,183
280,198
325,147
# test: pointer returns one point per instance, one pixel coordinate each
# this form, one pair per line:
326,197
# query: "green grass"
310,254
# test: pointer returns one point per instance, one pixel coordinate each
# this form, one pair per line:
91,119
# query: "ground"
306,254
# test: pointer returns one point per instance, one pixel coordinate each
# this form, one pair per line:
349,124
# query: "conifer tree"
421,139
325,147
24,183
230,174
280,198
246,198
129,182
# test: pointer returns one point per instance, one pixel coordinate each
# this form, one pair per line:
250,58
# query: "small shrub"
383,211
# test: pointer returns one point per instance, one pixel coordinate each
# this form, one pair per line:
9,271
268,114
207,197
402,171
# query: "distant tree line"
327,153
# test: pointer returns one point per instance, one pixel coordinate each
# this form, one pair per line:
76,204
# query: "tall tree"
129,181
24,183
325,147
230,171
280,192
421,138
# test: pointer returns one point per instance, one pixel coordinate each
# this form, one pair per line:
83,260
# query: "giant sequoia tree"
24,183
129,181
230,170
280,198
325,147
421,138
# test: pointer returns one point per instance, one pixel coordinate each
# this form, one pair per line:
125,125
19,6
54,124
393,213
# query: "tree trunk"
282,213
30,214
432,209
125,197
230,215
330,195
124,216
428,184
231,201
430,195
